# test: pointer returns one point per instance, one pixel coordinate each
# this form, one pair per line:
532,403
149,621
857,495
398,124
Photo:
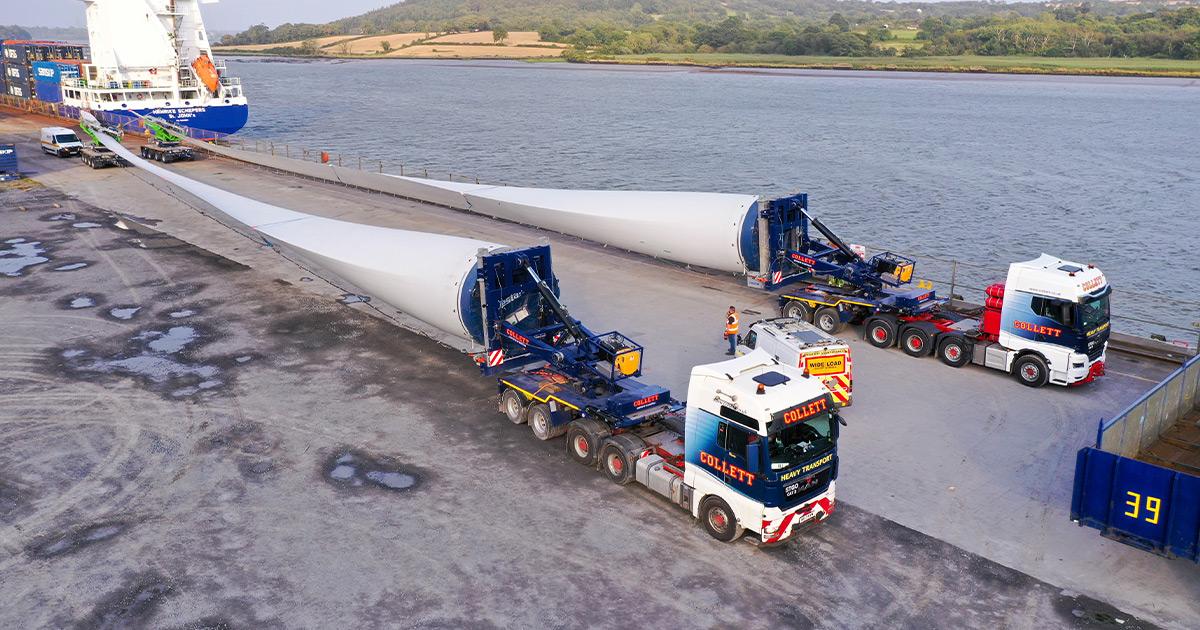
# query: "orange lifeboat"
207,73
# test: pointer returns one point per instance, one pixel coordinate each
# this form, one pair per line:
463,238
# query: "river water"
982,169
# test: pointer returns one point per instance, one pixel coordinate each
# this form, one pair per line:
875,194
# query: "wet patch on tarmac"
77,538
316,330
354,469
87,225
123,312
60,216
75,266
78,301
353,298
19,254
1084,612
130,607
162,358
179,291
252,444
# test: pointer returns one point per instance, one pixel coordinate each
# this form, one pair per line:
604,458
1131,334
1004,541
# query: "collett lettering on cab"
725,468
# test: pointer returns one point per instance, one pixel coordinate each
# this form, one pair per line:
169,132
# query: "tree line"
1082,30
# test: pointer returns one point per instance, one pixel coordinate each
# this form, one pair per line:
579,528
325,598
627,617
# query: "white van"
60,141
799,343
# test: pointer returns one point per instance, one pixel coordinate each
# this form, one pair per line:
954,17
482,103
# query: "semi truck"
1047,323
96,155
754,449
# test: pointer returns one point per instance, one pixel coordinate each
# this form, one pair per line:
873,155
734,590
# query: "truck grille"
1095,349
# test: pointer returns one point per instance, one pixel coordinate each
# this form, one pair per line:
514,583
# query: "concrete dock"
195,431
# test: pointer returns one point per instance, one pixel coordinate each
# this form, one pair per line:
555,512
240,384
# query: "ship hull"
222,119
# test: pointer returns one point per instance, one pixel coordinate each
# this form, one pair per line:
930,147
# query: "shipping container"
27,52
55,71
19,90
16,73
13,52
48,92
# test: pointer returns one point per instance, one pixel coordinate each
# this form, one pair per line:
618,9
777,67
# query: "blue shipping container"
48,92
16,73
19,90
54,71
1139,504
8,158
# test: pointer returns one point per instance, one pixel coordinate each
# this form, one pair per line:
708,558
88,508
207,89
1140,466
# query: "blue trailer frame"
1138,503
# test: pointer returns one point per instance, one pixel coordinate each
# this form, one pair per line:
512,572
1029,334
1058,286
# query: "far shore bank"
1079,66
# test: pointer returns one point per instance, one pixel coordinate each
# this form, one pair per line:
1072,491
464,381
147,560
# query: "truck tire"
954,351
540,422
718,520
798,310
1031,370
828,319
915,342
614,461
881,333
584,437
512,405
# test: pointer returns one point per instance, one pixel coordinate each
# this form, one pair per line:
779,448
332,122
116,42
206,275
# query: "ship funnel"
431,277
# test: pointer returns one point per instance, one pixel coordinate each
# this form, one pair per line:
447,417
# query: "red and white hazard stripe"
495,357
777,277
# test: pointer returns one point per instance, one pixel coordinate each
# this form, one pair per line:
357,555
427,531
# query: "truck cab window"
751,339
733,439
1057,310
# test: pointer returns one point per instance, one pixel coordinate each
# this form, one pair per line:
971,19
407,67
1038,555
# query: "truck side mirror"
840,419
753,456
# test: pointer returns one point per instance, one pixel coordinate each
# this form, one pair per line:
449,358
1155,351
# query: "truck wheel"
616,466
914,342
583,441
538,415
718,520
828,319
798,310
1031,370
881,333
512,405
953,351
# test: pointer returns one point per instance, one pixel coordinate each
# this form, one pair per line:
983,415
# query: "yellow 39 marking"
1153,507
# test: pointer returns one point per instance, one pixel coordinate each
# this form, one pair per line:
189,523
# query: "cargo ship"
145,58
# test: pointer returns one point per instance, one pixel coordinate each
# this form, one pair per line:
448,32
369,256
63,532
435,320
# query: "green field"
963,63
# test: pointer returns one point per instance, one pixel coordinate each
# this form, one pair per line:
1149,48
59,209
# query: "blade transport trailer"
756,449
165,145
1049,322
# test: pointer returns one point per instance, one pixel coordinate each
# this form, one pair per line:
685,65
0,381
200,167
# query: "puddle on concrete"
20,255
123,312
86,225
352,298
75,539
81,301
244,359
180,314
70,266
355,469
155,356
130,607
62,216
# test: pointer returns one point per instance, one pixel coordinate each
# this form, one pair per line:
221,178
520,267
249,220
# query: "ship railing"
230,81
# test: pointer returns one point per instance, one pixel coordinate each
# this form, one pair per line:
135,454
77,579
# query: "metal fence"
325,156
1143,422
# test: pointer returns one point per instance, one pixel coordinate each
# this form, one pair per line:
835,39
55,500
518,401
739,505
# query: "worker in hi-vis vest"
731,329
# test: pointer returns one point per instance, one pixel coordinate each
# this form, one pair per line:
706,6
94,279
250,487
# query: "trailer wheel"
881,333
953,351
512,405
583,441
828,319
718,520
1031,370
616,465
914,342
798,310
540,423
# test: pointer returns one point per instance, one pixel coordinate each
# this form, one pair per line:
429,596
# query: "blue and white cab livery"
1058,310
760,448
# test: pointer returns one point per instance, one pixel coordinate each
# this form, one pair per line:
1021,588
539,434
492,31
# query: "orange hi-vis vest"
731,324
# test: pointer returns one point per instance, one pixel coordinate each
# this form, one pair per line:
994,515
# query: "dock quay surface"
197,430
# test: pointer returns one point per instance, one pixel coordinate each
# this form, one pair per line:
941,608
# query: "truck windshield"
65,137
801,442
1094,312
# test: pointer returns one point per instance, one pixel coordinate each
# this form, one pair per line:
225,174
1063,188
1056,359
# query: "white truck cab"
60,141
800,344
